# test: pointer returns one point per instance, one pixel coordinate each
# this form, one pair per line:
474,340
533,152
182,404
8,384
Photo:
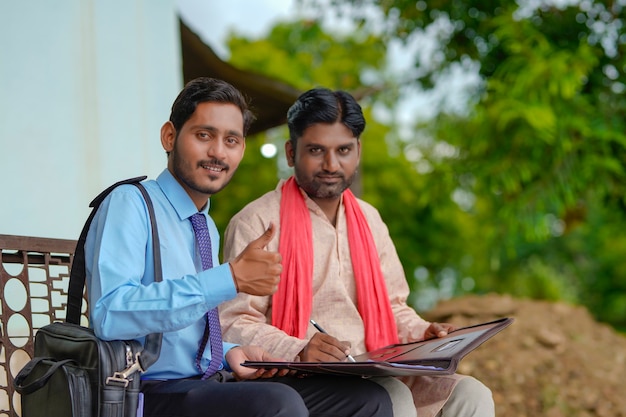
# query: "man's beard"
184,172
315,188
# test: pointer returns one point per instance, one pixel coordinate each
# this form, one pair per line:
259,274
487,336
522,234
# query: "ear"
290,153
168,136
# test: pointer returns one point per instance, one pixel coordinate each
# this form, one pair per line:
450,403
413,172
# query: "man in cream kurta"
325,153
246,318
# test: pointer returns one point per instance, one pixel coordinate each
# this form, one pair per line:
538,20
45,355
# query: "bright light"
268,150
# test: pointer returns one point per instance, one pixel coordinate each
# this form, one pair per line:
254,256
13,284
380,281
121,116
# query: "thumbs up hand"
257,271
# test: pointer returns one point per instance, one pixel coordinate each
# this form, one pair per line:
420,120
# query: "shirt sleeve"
226,347
125,302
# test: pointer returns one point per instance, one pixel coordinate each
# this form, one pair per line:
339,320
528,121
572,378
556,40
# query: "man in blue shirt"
205,141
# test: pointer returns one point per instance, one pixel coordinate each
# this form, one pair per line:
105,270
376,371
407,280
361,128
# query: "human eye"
232,140
344,150
203,135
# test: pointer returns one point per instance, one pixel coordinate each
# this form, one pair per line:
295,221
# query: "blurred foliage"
303,55
523,192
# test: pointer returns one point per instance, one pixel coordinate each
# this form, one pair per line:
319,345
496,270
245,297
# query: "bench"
34,275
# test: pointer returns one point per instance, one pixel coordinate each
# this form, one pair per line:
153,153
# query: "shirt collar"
178,197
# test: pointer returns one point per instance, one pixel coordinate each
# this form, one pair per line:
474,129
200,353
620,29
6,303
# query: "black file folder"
439,356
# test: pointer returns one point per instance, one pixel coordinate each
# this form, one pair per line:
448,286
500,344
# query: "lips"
213,168
329,179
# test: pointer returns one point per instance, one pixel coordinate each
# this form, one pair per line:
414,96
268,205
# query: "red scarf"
292,303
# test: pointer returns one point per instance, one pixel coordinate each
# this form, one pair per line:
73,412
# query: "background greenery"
516,186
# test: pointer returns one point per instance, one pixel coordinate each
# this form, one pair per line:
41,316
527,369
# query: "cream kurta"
247,318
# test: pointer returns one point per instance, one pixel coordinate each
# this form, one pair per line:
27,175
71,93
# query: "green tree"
541,149
302,54
522,192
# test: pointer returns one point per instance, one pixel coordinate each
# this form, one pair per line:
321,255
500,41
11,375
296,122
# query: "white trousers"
469,398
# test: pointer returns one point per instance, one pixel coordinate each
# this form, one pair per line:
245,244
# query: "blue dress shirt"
124,300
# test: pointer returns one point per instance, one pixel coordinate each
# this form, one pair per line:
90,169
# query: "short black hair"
205,89
322,105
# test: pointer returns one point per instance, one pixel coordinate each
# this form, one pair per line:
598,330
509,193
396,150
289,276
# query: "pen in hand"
319,328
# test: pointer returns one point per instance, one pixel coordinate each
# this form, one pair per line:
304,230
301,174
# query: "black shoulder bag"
73,373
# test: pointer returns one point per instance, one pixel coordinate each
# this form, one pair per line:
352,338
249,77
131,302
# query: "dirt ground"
553,361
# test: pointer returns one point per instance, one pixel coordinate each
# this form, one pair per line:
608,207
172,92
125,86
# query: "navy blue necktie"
212,330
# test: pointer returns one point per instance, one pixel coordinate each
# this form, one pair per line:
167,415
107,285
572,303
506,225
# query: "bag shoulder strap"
78,272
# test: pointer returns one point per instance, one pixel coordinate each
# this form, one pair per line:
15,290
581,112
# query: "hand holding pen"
321,330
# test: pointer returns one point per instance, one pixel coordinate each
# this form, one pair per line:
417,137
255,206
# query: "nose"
216,149
331,163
